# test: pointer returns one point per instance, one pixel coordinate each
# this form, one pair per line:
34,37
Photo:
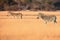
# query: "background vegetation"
48,5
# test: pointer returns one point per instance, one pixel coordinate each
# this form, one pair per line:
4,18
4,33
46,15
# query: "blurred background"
17,5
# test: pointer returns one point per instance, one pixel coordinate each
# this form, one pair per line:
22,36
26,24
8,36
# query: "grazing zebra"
47,18
15,14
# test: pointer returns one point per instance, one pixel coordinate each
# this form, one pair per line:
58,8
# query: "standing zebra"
15,14
47,18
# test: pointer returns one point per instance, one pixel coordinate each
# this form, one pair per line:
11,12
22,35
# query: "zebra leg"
14,17
21,16
55,21
45,21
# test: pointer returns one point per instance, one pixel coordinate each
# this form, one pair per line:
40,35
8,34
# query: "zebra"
47,18
15,14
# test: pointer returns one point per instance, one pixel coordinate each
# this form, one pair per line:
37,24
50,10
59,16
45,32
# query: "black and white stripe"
47,18
16,14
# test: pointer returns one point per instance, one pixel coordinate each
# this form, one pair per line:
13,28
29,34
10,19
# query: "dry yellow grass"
28,28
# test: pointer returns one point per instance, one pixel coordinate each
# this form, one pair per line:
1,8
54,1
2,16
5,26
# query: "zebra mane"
41,14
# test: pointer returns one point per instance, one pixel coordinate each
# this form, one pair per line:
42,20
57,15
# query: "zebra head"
40,15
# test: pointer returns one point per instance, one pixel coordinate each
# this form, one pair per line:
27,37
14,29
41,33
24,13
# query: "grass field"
29,28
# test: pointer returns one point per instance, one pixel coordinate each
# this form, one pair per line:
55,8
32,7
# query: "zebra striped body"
16,14
47,18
